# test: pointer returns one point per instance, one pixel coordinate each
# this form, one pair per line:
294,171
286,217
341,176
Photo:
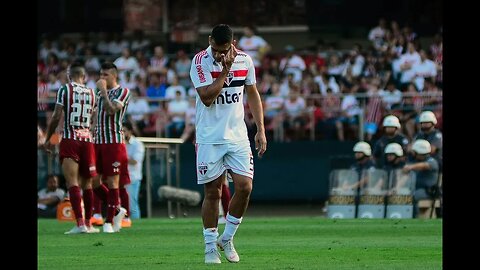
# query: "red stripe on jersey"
199,56
124,94
236,73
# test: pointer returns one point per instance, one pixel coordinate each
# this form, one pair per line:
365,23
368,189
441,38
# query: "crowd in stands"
331,93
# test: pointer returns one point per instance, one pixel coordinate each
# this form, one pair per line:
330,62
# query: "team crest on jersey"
229,78
116,166
202,168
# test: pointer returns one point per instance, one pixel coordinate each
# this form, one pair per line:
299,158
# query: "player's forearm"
209,93
255,103
109,105
52,126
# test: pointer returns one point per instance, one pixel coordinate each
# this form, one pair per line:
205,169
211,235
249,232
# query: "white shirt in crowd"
390,98
413,59
251,45
294,108
350,105
172,89
294,65
45,194
137,107
424,70
178,106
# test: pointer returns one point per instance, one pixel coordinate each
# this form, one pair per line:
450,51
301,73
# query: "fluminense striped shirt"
109,127
78,102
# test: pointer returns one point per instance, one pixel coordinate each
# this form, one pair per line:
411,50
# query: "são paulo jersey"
223,121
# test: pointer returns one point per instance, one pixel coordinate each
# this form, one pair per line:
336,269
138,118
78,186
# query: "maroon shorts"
112,160
82,152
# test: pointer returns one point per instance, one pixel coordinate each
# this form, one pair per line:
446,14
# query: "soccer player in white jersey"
77,156
220,74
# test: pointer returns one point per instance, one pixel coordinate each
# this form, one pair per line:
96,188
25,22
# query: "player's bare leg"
237,208
70,171
210,211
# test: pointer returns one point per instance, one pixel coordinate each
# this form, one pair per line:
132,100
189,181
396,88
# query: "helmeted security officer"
426,170
428,132
391,128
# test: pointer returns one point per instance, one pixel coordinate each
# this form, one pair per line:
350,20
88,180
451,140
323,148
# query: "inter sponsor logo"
201,76
227,98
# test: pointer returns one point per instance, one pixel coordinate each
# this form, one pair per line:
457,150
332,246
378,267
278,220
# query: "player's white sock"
210,236
231,227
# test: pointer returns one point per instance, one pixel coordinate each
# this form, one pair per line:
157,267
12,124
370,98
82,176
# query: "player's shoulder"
200,57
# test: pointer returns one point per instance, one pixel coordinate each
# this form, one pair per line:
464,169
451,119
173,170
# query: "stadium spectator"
176,110
332,126
158,62
49,198
391,96
221,135
254,45
373,110
126,63
350,108
138,110
377,34
171,91
426,68
294,117
407,62
182,69
292,64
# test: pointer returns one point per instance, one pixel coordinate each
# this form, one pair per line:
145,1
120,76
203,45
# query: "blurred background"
325,69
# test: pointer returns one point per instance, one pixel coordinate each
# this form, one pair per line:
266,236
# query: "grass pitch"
262,243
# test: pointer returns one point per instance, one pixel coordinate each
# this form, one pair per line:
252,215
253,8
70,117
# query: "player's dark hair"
109,65
76,70
222,34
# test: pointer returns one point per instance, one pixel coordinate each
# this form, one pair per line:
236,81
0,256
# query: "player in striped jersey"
77,155
111,153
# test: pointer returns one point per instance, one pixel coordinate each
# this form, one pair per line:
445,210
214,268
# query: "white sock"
231,227
210,236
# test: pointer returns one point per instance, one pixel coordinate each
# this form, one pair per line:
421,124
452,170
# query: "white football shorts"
214,159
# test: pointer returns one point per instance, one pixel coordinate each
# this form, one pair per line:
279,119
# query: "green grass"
262,243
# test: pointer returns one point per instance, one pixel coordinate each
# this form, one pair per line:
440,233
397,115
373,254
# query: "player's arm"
110,106
57,114
49,201
256,107
209,93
